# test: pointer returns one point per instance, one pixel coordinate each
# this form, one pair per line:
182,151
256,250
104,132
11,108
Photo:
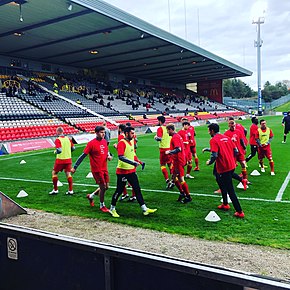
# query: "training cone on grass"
229,200
90,175
22,193
240,185
22,162
212,217
255,173
59,183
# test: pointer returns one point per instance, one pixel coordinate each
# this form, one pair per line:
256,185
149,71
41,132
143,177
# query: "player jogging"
286,124
252,140
164,144
126,171
264,137
222,152
98,151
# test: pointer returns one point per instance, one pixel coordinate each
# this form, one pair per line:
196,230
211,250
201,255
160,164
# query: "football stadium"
82,77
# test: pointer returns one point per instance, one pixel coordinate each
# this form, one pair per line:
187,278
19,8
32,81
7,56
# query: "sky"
224,28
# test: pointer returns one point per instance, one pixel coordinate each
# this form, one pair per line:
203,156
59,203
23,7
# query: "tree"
273,92
236,89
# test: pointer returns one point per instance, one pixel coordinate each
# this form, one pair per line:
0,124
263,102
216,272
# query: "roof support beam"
73,37
48,22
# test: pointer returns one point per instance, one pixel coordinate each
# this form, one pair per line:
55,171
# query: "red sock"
178,185
185,187
54,181
170,165
272,165
164,172
189,167
196,161
244,172
133,192
70,183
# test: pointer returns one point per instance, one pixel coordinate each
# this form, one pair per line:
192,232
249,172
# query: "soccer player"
178,159
164,144
126,171
121,136
286,124
98,151
63,149
264,137
222,152
241,128
252,140
192,145
128,124
237,138
188,156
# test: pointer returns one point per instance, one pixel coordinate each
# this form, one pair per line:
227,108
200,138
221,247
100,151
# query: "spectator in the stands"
55,88
47,98
78,101
102,103
145,116
148,106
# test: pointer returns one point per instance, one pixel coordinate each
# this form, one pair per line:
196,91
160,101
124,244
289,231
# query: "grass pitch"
266,223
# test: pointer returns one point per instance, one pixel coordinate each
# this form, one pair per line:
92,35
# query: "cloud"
225,28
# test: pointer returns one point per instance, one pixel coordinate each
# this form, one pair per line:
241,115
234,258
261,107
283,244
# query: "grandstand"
46,83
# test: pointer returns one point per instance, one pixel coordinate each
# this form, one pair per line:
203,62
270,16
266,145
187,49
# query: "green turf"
283,108
266,222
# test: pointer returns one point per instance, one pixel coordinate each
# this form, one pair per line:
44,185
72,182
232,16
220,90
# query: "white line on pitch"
144,189
283,187
3,157
22,156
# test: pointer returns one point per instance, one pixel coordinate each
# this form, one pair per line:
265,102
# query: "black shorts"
286,130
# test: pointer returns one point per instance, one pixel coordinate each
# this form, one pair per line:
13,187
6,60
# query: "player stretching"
237,138
192,146
63,149
178,158
188,156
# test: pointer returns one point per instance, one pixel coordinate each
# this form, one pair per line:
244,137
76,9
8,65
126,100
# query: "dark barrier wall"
31,259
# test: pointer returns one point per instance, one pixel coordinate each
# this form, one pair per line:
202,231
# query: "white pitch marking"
283,187
21,156
144,189
33,154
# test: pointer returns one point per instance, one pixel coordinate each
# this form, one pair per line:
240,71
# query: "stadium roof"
94,34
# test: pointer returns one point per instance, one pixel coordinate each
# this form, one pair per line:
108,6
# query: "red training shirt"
224,148
98,152
253,133
179,158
